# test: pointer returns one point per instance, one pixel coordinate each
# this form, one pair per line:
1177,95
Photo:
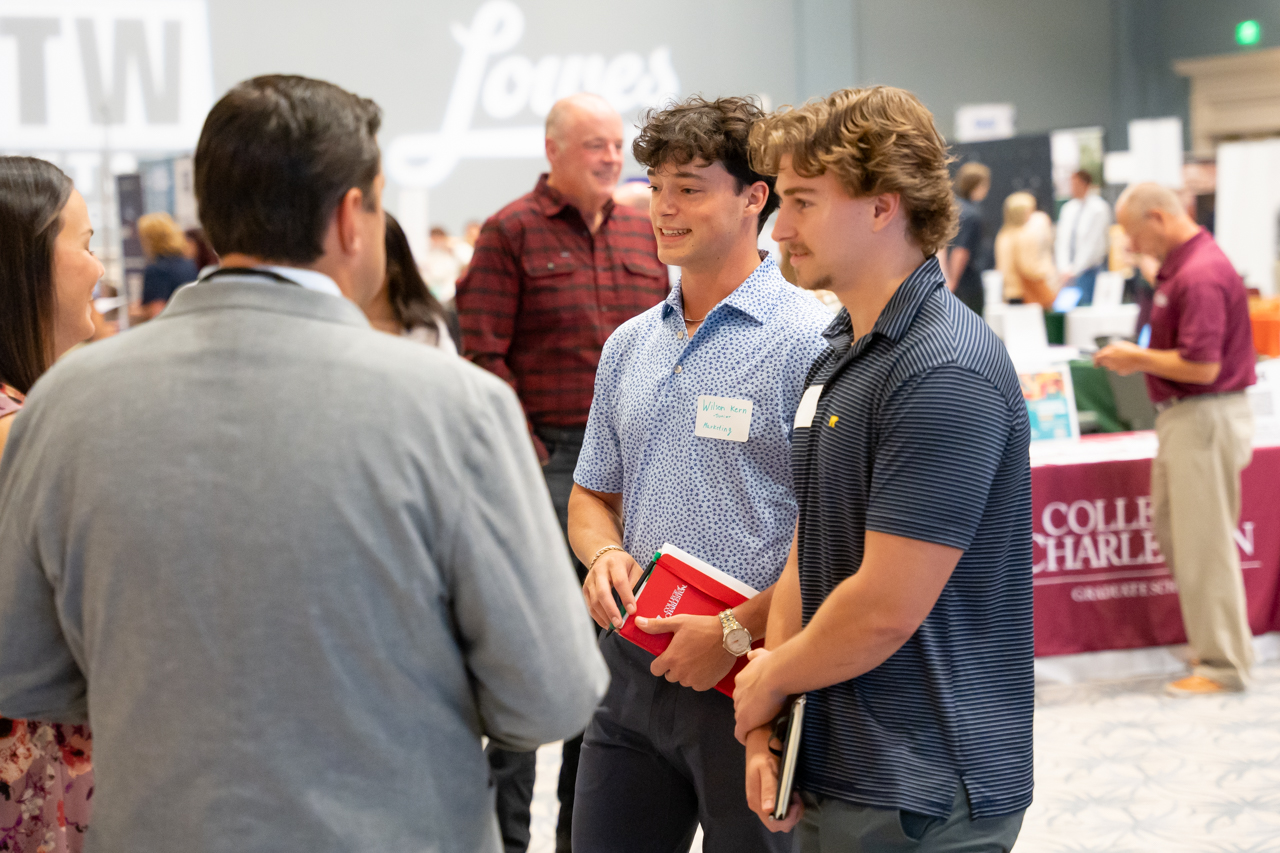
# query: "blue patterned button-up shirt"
727,502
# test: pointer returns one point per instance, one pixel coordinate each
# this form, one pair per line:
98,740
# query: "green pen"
617,599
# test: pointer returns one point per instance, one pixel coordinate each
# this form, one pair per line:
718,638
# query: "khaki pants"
1195,491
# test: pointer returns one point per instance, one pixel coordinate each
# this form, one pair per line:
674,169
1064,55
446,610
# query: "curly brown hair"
711,131
875,140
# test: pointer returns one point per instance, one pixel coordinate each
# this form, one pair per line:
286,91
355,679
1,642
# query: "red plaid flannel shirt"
543,294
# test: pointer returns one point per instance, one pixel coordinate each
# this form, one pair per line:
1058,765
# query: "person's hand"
762,782
696,657
1123,357
613,570
755,703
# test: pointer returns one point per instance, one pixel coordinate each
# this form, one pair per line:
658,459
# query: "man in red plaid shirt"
554,274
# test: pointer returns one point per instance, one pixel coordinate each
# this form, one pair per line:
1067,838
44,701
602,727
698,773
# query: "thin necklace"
687,320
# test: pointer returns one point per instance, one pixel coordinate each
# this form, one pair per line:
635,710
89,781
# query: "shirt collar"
1179,255
550,202
310,279
901,309
754,297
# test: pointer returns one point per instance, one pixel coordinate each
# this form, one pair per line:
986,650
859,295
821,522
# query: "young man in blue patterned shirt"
659,757
904,613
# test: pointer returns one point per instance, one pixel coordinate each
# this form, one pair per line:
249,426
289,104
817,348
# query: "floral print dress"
46,781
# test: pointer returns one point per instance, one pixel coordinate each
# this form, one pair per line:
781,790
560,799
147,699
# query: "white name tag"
808,407
724,418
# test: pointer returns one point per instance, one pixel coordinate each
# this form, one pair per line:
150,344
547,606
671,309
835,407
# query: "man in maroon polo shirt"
1198,366
553,275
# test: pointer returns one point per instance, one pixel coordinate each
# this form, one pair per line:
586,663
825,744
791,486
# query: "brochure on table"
1051,401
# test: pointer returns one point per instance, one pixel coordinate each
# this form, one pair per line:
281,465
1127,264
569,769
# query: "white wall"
406,57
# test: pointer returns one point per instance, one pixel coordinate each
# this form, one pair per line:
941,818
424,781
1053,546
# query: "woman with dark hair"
47,276
405,305
199,250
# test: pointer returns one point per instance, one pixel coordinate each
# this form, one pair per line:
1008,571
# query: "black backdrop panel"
1021,163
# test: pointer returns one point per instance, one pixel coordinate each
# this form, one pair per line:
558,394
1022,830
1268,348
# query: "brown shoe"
1195,685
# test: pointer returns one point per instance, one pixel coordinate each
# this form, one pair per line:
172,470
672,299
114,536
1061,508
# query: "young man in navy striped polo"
904,612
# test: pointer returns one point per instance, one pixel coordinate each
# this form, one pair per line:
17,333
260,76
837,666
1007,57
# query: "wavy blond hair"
160,235
875,140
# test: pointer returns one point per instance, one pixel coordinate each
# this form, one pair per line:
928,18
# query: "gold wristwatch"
737,639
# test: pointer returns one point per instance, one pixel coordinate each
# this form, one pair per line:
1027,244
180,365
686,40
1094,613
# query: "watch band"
730,622
730,625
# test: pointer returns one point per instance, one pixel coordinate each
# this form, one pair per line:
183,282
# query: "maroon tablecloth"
1100,582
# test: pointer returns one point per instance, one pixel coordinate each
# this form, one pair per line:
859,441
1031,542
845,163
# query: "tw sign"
132,75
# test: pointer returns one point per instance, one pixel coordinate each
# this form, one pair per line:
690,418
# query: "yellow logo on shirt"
832,420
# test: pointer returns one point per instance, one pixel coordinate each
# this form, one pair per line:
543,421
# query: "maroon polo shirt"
1201,309
543,294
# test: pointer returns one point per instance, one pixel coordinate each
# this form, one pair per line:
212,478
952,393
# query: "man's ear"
551,148
757,195
346,218
884,210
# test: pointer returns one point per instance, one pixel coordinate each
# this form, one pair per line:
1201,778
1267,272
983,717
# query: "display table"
1093,394
1099,580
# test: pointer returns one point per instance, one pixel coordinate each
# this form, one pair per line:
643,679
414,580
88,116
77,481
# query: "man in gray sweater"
290,569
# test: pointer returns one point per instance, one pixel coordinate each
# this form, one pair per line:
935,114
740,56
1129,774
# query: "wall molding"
1234,96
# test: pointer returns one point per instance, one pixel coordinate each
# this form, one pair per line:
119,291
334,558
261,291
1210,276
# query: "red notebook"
681,583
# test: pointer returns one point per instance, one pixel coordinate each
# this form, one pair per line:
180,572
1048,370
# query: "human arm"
786,618
595,522
1067,223
865,619
487,302
527,642
967,241
957,260
1093,242
1125,358
39,676
697,657
931,477
1200,311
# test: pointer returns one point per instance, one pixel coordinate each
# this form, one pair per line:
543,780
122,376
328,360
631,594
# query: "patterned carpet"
1121,768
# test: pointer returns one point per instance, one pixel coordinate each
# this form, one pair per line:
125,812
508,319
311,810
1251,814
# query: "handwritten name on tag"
724,418
808,407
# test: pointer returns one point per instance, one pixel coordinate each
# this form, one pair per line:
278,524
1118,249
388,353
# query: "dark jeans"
513,772
659,759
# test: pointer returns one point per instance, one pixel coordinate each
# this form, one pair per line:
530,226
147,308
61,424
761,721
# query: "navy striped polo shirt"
921,431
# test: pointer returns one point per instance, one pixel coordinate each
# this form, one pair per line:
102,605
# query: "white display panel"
1247,210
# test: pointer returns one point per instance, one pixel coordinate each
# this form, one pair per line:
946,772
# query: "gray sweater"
291,570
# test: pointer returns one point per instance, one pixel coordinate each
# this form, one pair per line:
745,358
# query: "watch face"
738,642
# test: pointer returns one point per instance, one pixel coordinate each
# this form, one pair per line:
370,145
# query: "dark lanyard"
243,272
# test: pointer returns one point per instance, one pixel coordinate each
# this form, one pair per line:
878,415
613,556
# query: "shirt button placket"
679,369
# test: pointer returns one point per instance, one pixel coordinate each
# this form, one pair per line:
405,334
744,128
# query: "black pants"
513,772
658,760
